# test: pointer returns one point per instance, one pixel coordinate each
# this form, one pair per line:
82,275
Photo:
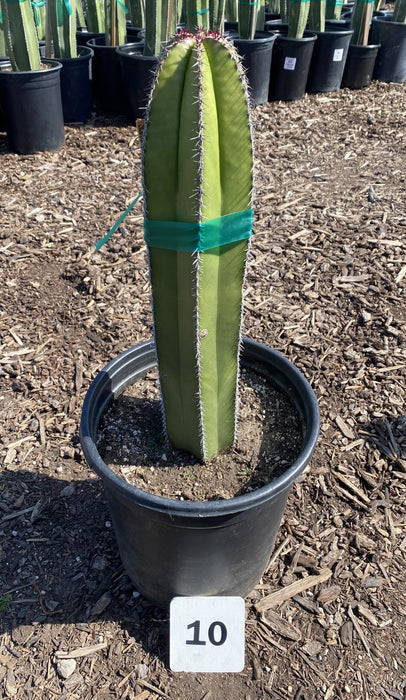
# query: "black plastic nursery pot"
138,73
328,60
256,57
32,107
183,548
290,64
359,66
108,86
76,86
83,36
390,64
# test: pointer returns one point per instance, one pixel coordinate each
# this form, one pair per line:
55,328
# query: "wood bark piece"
278,597
80,651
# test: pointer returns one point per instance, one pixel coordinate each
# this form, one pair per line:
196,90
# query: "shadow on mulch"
60,564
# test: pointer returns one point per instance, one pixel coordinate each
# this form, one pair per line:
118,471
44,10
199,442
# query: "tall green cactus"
39,10
361,21
247,19
197,14
136,12
334,9
317,15
298,12
21,35
160,25
2,36
231,10
399,11
95,21
115,22
216,15
62,17
197,166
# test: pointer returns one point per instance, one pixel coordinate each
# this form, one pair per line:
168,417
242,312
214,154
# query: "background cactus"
317,15
20,35
160,25
197,169
334,9
197,15
95,22
399,11
136,12
298,12
2,37
247,18
62,18
115,22
361,21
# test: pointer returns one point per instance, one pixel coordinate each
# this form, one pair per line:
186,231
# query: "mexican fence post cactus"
361,21
247,18
95,20
115,22
298,12
317,15
197,14
399,11
62,17
197,168
160,25
21,35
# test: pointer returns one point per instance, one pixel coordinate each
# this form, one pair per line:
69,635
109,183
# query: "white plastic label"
207,634
290,63
338,54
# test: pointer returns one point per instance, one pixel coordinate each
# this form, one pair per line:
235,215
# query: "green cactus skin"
298,15
361,21
216,15
333,9
231,11
247,18
198,166
63,27
160,25
317,15
80,17
21,35
399,11
197,14
136,12
95,21
115,22
2,37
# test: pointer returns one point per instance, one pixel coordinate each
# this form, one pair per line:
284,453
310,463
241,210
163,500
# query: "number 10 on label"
207,634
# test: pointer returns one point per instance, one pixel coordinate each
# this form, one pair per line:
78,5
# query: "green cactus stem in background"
333,9
197,14
298,12
317,15
62,17
80,17
231,10
20,35
160,25
216,15
115,22
247,18
399,11
197,166
136,12
2,37
39,10
95,22
361,21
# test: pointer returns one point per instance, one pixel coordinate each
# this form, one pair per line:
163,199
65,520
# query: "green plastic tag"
195,237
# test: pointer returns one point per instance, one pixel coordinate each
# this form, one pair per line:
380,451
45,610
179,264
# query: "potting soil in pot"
131,442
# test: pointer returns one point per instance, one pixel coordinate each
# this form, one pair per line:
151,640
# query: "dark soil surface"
326,287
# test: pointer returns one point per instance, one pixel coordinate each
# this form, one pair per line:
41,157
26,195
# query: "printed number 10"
215,638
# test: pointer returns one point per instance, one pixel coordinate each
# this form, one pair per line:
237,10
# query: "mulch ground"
325,286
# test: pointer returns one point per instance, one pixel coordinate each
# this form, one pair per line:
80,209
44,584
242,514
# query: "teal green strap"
199,12
123,7
68,7
195,237
114,228
37,15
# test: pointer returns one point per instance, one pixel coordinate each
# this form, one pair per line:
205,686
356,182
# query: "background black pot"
290,64
76,86
32,107
109,93
138,72
359,66
328,60
390,64
83,36
173,547
256,56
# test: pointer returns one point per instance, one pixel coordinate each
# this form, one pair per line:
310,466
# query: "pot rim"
257,353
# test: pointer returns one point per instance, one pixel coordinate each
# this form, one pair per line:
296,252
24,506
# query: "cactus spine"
62,16
198,167
21,35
